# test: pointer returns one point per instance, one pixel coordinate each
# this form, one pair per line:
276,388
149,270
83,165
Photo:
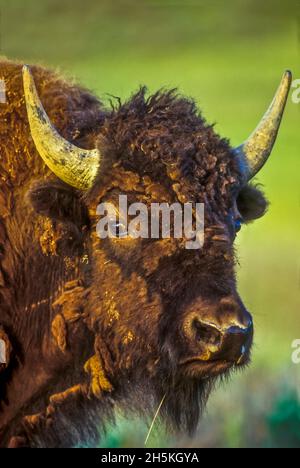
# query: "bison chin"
179,389
185,398
181,399
184,402
186,393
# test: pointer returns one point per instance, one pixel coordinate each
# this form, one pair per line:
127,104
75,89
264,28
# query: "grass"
229,57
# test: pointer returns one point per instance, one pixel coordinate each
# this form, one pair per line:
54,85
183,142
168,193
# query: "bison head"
167,321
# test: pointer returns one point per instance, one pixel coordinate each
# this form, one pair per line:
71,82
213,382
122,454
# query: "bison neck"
40,286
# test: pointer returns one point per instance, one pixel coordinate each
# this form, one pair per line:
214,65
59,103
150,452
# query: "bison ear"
59,202
251,203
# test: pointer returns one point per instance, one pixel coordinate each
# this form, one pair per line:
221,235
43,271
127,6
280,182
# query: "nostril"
206,333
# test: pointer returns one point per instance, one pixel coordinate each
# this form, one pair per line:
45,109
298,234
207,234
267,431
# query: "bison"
91,325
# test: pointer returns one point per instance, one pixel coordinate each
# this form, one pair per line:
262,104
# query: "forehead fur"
164,136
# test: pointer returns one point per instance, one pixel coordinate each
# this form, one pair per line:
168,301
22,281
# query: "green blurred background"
229,56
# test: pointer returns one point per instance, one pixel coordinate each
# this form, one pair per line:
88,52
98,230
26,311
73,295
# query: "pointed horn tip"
288,77
26,70
27,75
288,74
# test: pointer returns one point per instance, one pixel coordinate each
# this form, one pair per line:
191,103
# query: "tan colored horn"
256,150
75,166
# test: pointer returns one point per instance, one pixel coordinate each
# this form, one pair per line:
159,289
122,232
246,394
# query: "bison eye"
118,230
238,224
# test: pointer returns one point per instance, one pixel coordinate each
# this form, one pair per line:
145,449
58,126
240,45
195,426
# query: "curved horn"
256,150
75,166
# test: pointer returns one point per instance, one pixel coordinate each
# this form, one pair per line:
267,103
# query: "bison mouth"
201,369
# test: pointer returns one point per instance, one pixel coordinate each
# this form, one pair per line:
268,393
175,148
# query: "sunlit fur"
66,296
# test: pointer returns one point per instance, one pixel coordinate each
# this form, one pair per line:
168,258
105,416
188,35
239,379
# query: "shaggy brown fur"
93,324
